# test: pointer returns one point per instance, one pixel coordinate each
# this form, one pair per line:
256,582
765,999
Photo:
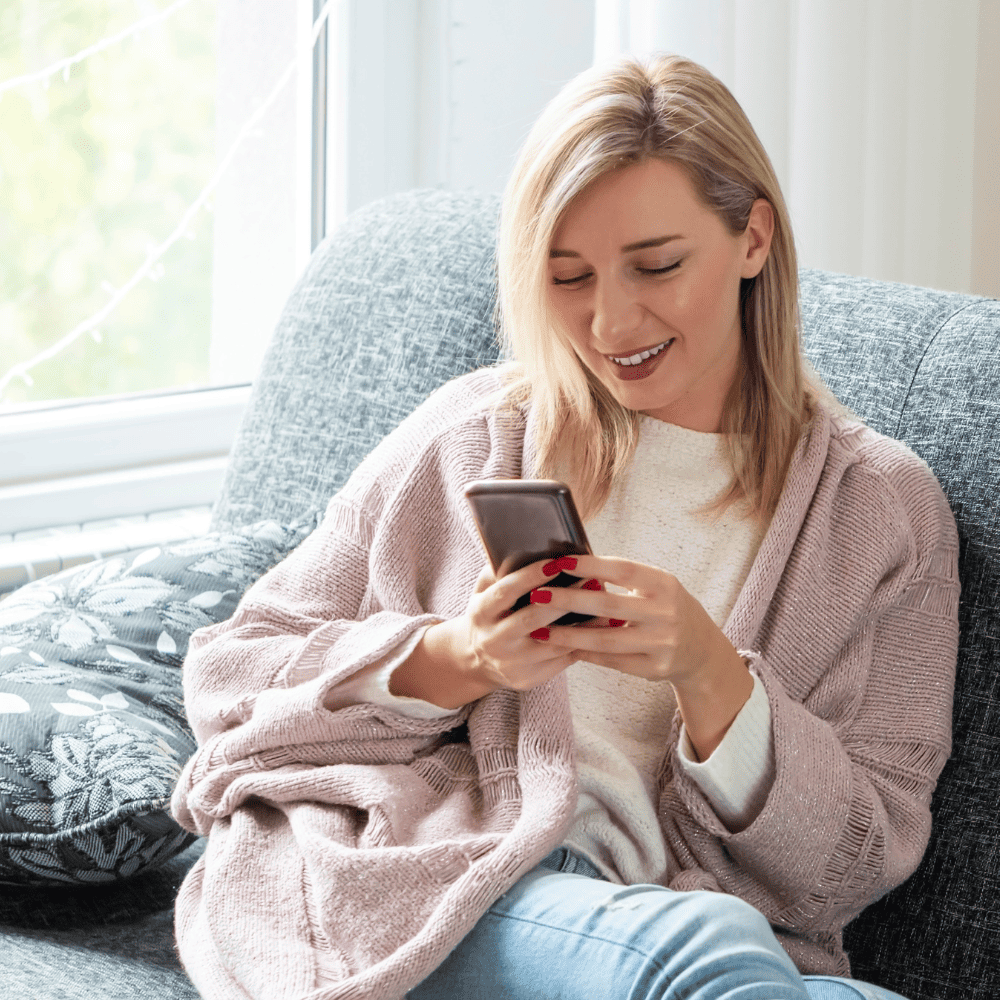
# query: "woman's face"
646,281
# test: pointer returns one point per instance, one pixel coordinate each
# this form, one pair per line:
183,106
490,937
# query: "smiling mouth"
637,359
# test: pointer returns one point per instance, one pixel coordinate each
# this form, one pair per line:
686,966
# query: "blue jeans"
564,933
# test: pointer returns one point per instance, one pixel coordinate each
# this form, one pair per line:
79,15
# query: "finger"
589,601
625,573
526,621
588,642
506,590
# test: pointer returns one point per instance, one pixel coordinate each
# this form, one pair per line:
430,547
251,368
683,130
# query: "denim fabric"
833,988
560,932
564,931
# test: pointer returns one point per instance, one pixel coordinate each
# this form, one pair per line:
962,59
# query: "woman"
409,790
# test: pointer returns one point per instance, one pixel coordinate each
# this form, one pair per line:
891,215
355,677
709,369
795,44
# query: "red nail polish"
540,633
541,596
616,622
551,568
566,562
592,585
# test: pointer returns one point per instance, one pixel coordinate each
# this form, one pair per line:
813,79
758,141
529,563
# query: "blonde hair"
608,117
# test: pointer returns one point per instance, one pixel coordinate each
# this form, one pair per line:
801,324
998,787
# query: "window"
155,193
107,240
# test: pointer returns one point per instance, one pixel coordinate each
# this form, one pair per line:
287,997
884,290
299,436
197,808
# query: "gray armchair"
398,301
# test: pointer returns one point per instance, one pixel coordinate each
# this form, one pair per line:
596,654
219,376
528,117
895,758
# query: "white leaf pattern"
206,600
122,597
123,654
116,750
144,557
16,612
83,696
75,633
73,708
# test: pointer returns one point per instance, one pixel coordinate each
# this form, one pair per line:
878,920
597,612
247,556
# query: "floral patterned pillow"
92,728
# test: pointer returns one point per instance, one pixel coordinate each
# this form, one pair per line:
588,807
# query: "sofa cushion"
93,733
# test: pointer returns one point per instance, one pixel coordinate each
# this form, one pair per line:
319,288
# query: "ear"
760,229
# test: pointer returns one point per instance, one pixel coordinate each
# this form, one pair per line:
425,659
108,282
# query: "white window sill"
115,458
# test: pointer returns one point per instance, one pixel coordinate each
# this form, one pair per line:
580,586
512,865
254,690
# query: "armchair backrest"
924,366
400,299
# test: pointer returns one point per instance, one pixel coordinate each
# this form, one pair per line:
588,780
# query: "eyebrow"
656,241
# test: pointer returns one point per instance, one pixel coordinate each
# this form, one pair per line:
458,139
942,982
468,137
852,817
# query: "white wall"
986,170
441,93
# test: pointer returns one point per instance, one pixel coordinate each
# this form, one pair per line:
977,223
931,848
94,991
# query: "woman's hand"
658,631
487,648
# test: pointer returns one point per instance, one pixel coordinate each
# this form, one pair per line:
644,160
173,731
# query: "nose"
617,315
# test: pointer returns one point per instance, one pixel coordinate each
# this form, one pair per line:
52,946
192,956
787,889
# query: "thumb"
486,579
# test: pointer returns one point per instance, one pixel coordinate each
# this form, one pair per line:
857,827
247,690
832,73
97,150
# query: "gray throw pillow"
93,733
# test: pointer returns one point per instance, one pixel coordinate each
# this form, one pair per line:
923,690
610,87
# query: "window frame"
75,461
115,457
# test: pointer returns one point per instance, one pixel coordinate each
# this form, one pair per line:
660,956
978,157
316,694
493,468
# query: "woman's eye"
659,270
570,281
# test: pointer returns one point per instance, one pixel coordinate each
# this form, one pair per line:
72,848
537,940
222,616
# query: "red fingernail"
540,633
541,596
616,622
592,585
566,562
551,568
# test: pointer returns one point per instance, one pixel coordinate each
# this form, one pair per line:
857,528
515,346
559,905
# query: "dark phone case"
523,520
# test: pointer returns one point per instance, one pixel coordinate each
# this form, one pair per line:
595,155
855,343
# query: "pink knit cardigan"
349,851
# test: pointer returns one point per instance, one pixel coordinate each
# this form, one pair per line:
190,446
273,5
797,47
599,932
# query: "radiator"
31,555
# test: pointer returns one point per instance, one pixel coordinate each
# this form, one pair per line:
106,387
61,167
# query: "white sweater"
622,723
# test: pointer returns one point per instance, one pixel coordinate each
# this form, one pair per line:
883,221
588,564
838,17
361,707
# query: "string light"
154,253
64,65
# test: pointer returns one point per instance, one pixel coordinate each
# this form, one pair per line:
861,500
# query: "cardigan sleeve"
393,554
857,654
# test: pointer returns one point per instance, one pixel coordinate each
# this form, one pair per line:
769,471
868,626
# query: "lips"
641,355
641,364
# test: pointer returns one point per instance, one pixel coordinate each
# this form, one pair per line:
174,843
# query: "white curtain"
873,112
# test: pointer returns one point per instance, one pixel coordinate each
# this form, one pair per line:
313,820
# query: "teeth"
635,359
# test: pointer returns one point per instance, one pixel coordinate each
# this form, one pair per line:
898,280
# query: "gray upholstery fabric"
924,366
108,942
400,300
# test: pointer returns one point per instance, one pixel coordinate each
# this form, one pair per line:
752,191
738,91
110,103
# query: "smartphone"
523,520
